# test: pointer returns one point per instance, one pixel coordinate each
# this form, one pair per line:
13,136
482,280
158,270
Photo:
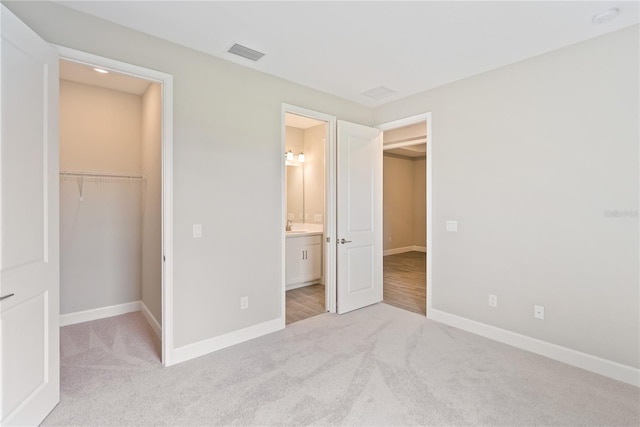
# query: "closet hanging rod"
100,175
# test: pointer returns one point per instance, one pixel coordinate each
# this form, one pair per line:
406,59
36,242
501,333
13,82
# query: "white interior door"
29,254
359,194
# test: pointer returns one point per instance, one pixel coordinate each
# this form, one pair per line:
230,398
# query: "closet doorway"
111,218
405,214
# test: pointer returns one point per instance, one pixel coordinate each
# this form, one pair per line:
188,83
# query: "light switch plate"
197,231
452,225
538,312
317,217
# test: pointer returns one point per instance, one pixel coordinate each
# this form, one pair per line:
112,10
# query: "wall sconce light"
289,155
301,157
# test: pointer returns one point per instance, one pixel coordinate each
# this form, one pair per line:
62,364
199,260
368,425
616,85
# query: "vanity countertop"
299,233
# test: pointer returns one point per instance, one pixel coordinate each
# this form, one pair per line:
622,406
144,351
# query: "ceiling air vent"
379,92
245,52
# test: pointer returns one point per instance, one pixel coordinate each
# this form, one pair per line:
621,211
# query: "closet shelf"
99,175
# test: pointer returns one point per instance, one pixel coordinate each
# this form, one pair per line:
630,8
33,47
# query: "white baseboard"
153,322
303,284
404,249
99,313
608,368
200,348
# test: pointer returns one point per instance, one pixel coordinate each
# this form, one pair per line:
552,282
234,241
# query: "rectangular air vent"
245,52
379,92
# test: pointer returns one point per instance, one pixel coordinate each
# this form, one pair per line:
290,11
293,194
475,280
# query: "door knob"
343,241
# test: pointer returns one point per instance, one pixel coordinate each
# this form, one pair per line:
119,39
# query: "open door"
29,254
359,222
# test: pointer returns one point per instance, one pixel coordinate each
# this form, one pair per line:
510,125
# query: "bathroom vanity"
303,253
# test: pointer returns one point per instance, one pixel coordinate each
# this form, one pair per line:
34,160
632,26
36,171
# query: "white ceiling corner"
347,48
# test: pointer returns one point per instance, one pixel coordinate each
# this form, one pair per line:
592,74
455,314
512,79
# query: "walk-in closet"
110,215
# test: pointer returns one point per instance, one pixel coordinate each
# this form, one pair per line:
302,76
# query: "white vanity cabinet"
303,259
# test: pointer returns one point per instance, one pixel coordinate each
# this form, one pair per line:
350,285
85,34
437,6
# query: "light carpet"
376,366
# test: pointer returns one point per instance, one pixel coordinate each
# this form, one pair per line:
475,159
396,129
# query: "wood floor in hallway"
405,281
305,302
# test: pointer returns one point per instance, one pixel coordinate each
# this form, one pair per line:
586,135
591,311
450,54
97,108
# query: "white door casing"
29,255
359,223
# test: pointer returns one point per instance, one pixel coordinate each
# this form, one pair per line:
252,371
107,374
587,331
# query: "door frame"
166,82
426,117
329,227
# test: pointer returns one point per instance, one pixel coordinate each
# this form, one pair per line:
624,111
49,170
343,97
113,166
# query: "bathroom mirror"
295,192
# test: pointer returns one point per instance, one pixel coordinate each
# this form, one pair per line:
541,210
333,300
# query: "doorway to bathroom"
305,207
405,208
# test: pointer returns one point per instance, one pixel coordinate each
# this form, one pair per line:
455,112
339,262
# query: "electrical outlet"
244,303
493,300
197,231
538,312
452,225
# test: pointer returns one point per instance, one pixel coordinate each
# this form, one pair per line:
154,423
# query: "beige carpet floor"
378,366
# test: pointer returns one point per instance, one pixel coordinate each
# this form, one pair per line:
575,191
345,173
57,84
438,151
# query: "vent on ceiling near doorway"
379,92
245,52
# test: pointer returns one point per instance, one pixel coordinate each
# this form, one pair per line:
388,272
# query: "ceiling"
347,48
81,73
419,150
300,122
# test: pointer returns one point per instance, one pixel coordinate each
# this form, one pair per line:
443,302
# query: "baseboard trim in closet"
151,319
405,249
99,313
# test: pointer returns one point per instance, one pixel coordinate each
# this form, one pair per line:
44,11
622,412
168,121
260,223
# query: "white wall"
314,168
99,129
151,157
294,141
213,99
397,201
100,234
531,159
420,202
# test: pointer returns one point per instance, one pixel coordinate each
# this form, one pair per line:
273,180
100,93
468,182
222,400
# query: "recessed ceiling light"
606,16
100,70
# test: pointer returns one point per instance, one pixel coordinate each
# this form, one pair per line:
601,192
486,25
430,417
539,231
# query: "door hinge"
164,258
328,239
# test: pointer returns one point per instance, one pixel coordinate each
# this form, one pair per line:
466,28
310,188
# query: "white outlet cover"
493,300
197,231
452,225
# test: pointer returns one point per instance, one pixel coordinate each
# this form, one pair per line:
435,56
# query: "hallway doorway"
404,216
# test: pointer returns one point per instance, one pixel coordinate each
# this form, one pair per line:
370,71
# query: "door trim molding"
329,254
426,117
166,82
